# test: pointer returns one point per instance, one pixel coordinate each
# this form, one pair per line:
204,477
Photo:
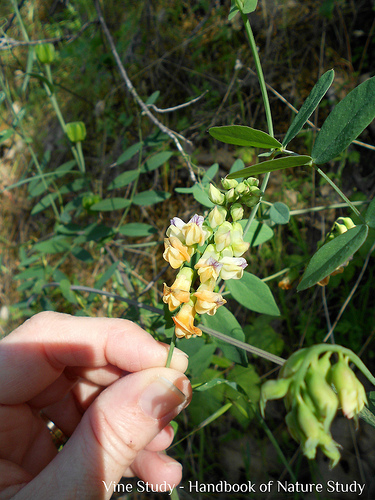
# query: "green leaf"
5,134
137,229
110,204
249,6
44,80
156,161
224,321
370,214
252,293
261,334
344,124
56,244
214,382
210,173
107,275
199,354
332,255
368,414
258,232
153,98
44,203
240,135
201,195
233,11
82,254
124,179
272,165
309,106
279,213
146,198
237,165
129,153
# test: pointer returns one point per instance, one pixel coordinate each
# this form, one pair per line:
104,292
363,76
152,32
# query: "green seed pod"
45,53
76,131
273,389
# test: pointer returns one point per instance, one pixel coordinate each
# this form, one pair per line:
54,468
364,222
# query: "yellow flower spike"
184,322
350,391
207,300
176,253
179,292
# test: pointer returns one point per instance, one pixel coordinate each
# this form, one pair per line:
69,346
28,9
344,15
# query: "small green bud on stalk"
251,181
76,131
236,212
231,196
229,183
216,196
45,53
241,189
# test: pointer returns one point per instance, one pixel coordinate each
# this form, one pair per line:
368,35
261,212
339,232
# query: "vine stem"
266,102
171,349
339,192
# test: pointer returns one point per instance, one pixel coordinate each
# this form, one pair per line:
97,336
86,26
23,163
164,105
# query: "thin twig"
179,106
136,97
9,43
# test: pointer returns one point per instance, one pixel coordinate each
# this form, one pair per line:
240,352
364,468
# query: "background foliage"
63,229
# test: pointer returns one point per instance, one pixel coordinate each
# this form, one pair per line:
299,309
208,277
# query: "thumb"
122,421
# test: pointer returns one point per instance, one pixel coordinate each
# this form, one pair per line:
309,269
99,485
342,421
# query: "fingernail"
168,460
161,397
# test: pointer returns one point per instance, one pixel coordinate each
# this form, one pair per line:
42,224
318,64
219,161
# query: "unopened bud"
217,216
215,195
76,131
231,196
241,189
251,181
273,389
236,212
229,183
45,53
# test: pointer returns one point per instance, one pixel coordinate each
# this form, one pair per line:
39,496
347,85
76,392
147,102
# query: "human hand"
104,383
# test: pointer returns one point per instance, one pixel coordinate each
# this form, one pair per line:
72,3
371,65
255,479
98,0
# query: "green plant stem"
266,102
171,349
76,150
340,193
81,158
259,71
31,151
53,99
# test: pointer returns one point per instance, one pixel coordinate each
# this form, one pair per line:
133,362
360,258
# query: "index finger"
36,353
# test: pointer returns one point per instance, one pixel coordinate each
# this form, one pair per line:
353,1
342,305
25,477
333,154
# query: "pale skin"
103,382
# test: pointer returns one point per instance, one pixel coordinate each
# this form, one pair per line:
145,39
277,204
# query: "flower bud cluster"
246,192
217,246
314,389
342,225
